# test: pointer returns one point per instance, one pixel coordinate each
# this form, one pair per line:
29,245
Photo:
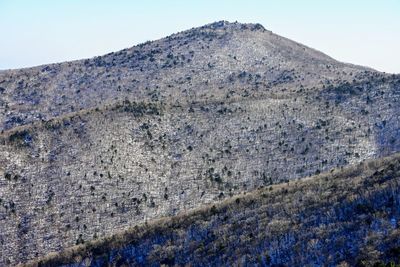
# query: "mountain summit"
237,59
95,146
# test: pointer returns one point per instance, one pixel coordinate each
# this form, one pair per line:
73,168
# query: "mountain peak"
183,67
223,24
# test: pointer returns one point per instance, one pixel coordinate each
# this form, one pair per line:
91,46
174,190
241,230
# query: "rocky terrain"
347,217
92,147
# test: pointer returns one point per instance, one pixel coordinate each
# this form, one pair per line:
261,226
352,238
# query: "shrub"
7,176
21,138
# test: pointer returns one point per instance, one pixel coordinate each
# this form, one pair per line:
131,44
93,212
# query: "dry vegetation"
92,147
348,216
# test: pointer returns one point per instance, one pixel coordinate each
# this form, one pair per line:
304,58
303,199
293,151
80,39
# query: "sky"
35,32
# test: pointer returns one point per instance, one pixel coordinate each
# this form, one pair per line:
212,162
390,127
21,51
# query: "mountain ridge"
50,85
150,243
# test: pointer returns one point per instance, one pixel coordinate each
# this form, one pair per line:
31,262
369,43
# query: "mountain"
92,147
347,217
216,62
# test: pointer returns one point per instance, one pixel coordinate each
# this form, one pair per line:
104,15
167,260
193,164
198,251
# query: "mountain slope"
216,61
346,217
156,129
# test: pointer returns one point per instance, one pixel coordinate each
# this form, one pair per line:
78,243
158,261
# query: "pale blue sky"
365,32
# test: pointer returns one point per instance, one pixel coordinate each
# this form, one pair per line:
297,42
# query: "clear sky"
364,32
